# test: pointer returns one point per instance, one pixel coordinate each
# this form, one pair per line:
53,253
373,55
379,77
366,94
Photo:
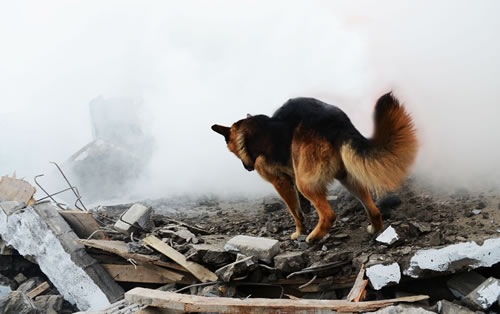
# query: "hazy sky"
195,63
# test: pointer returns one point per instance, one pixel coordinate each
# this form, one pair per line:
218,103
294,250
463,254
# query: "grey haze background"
195,63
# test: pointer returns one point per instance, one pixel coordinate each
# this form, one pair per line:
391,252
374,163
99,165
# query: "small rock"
302,245
272,227
483,297
435,239
460,238
262,248
340,236
272,205
406,250
418,228
476,211
324,248
302,237
290,261
137,214
20,278
49,304
389,236
446,307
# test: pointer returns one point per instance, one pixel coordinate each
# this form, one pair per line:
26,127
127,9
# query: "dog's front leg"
286,189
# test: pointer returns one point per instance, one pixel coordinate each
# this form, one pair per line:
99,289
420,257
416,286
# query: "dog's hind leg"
363,195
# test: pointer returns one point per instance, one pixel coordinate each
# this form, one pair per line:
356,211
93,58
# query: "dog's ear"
223,130
249,115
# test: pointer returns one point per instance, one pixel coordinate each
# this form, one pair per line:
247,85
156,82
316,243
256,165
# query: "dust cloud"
195,63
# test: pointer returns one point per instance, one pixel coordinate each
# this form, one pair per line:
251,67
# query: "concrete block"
483,297
454,258
464,283
382,275
17,302
136,214
28,233
263,249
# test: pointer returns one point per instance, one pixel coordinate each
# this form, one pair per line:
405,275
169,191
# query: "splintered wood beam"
38,290
142,274
194,303
120,248
359,286
200,272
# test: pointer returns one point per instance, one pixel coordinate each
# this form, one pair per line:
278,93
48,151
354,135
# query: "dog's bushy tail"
382,162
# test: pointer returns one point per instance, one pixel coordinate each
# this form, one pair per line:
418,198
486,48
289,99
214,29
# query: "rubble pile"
225,257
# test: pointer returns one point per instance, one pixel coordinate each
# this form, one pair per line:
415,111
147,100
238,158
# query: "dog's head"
237,139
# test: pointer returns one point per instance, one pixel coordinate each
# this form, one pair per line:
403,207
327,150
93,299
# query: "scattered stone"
302,245
211,254
180,234
263,249
389,236
137,214
483,297
242,265
340,236
290,261
49,304
382,275
418,228
476,211
446,307
272,204
406,250
272,227
20,278
460,238
435,239
17,303
464,283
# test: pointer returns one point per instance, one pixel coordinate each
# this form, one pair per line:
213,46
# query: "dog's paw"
295,235
370,229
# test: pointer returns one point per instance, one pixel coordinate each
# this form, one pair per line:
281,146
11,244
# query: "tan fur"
396,148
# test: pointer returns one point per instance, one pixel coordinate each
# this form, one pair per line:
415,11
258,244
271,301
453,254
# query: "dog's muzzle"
248,168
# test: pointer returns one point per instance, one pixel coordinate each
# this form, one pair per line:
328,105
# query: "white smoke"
196,63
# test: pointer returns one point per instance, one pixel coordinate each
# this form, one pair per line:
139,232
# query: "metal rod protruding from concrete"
48,195
75,191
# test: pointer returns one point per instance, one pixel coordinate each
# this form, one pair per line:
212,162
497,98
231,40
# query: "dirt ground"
422,217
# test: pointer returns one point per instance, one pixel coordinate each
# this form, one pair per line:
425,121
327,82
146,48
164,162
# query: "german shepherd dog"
307,144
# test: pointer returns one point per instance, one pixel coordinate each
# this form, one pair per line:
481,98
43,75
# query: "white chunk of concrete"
483,297
136,214
382,275
263,249
389,236
27,232
452,257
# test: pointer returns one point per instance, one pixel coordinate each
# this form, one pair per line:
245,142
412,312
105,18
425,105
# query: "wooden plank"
359,285
120,248
38,290
83,224
142,274
17,190
200,272
194,303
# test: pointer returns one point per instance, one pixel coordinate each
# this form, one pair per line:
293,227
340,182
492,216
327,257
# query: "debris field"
439,253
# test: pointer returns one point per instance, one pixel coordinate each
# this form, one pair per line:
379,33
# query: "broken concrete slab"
381,275
464,283
210,254
242,265
389,236
483,297
137,214
40,232
263,249
49,304
290,261
447,307
402,309
17,302
454,258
